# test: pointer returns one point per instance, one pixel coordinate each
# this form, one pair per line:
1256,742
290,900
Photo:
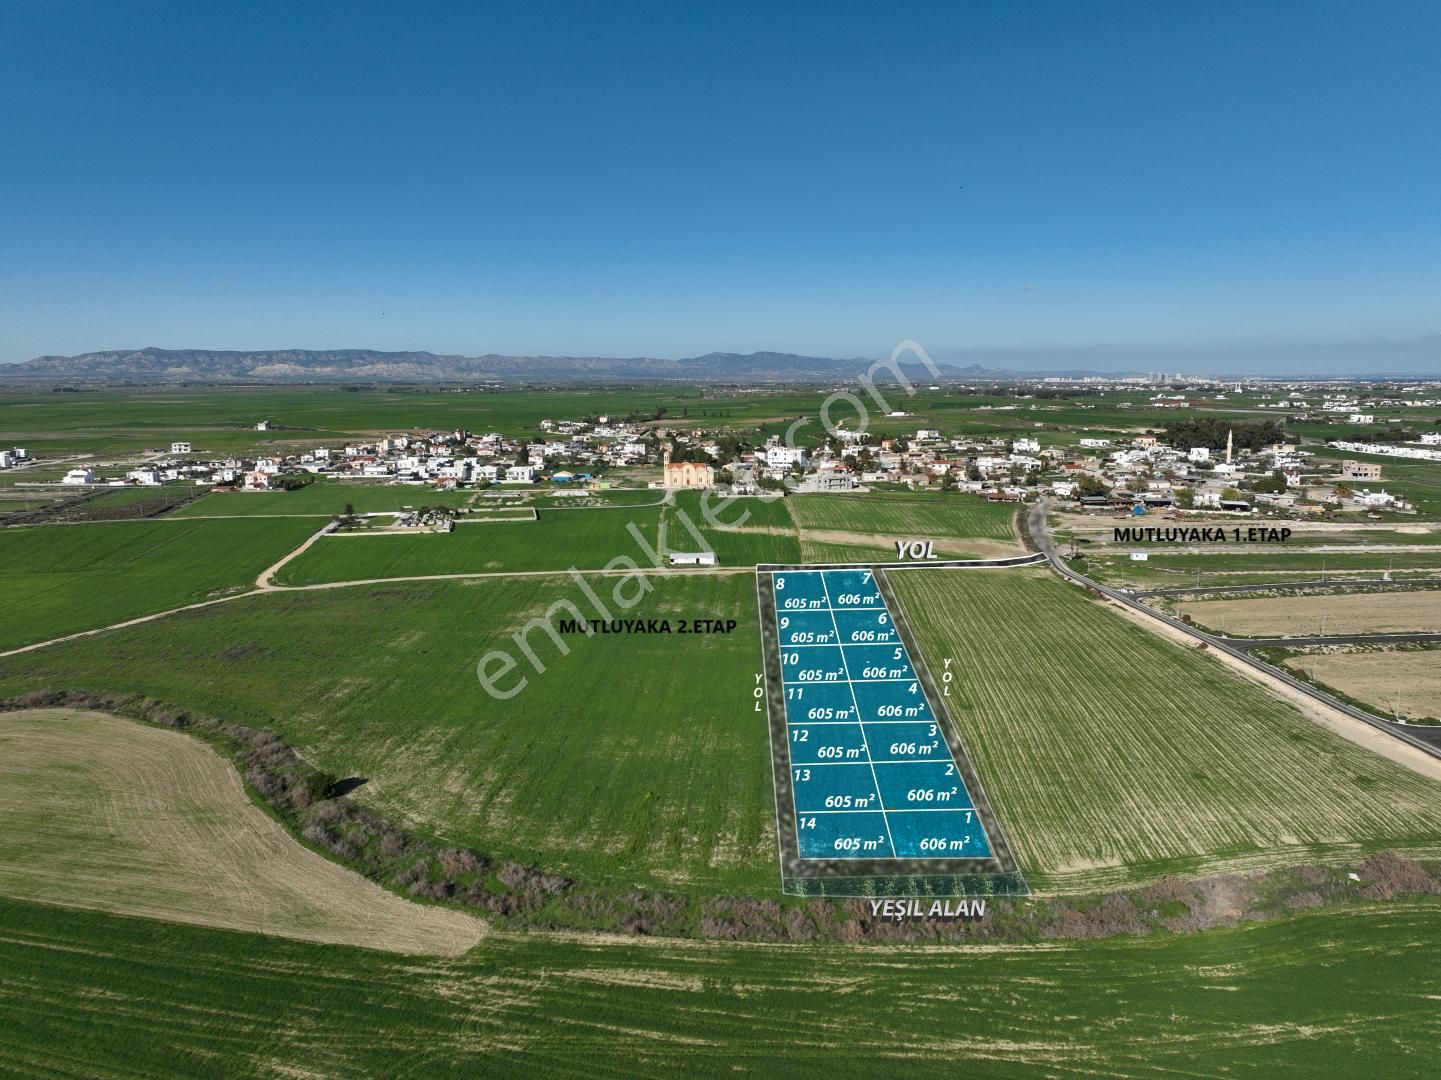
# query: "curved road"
1042,537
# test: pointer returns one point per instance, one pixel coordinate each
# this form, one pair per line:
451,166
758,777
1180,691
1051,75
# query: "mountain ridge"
153,364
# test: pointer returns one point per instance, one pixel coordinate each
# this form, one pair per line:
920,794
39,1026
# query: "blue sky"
1207,181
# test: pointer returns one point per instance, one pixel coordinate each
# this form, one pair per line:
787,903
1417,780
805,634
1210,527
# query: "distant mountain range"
150,365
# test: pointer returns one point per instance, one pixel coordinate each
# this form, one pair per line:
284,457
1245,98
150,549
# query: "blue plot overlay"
871,774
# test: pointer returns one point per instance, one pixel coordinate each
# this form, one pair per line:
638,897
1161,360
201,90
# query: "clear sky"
1204,180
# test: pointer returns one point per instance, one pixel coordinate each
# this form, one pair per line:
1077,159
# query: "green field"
927,514
816,552
59,579
558,540
1165,570
746,531
1112,754
323,500
221,420
634,759
1348,994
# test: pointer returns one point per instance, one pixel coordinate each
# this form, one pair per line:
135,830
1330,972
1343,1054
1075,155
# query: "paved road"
920,564
1410,734
1315,583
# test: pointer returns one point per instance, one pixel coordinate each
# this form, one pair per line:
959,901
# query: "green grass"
743,548
59,579
1178,570
587,539
1113,754
814,552
748,531
906,516
1313,995
134,495
633,759
323,499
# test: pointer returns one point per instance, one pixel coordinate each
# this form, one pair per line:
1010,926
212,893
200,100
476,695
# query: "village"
1131,471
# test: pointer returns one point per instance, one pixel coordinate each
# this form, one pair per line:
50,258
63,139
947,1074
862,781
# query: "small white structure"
1361,418
79,476
180,448
692,558
1095,443
1199,453
1026,446
263,425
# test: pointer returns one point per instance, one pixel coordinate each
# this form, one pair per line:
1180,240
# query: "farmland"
630,759
925,515
742,532
1314,994
323,500
1111,754
1347,613
102,812
558,540
60,579
1173,569
1401,683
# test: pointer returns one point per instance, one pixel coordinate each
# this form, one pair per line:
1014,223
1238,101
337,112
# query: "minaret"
1230,433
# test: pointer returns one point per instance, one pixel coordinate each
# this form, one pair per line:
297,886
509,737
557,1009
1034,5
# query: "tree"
1230,494
1091,485
1245,434
320,785
1186,498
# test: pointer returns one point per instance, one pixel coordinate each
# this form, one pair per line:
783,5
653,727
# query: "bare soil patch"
99,812
1403,681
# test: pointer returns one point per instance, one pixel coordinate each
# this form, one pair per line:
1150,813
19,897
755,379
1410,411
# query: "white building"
1361,418
1026,446
692,558
79,476
1095,443
180,448
783,457
519,474
1199,453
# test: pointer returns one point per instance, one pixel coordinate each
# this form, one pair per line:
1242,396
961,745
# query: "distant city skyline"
1215,189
